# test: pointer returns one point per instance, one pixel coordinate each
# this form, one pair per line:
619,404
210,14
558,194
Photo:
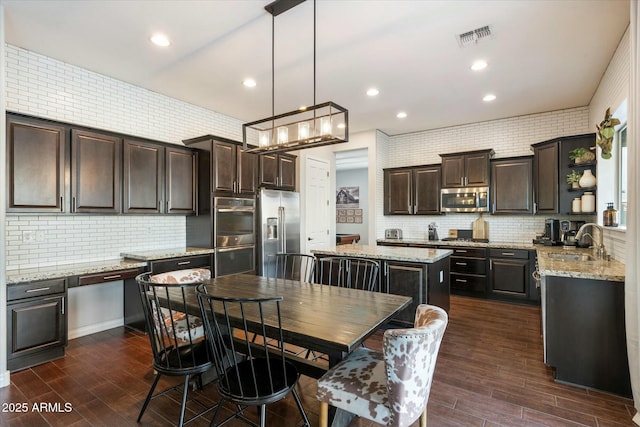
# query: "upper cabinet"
56,167
512,185
36,163
158,178
553,161
143,177
469,169
180,180
278,171
545,172
233,170
95,172
224,168
414,190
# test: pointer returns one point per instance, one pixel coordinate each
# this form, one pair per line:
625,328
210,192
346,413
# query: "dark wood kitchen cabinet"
36,162
36,322
546,174
414,190
278,171
551,165
512,185
223,168
95,172
143,177
469,169
510,275
425,283
180,180
468,270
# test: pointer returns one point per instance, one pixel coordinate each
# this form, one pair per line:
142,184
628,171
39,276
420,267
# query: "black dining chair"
348,272
251,373
177,338
292,266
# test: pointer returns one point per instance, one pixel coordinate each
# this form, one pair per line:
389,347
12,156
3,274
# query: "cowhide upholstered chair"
390,388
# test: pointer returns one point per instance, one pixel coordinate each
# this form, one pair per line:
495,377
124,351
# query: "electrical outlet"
28,236
40,236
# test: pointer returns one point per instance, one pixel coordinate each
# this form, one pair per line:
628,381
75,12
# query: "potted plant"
581,155
573,179
605,134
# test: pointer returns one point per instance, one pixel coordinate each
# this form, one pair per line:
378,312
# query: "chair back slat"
292,266
241,334
355,273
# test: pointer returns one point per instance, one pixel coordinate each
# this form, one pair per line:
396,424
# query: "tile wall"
44,87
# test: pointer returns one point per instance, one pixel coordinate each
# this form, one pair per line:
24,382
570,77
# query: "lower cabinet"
510,275
425,283
468,270
584,333
36,323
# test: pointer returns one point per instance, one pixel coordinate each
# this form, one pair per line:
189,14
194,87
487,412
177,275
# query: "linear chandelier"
321,124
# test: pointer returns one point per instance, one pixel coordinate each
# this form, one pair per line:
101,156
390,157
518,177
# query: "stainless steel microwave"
464,199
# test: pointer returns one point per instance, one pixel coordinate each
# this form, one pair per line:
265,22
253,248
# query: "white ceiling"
543,56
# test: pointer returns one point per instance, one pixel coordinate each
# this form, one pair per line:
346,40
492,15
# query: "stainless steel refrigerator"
279,226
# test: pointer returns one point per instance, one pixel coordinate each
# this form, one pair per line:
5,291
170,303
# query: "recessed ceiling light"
303,108
479,65
401,115
489,97
160,40
249,83
373,91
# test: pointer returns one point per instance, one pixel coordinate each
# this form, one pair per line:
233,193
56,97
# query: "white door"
317,214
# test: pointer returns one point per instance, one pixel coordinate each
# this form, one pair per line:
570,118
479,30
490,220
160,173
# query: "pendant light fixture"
308,127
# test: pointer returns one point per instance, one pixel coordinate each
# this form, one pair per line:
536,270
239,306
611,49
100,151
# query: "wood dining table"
326,319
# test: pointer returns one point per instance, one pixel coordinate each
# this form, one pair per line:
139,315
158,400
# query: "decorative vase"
587,180
588,202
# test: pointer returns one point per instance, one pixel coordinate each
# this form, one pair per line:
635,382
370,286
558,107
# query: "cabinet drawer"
468,265
109,276
468,283
198,261
35,289
468,252
509,253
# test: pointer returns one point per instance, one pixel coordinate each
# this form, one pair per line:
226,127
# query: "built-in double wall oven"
234,235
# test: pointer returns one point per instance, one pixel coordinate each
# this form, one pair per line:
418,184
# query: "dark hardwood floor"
489,373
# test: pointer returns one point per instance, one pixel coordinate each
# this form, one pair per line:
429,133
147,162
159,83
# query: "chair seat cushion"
358,384
180,325
182,277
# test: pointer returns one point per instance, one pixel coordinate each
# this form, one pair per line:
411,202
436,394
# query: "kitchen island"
583,318
421,273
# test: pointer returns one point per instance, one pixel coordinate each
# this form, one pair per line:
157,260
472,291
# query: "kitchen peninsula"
421,273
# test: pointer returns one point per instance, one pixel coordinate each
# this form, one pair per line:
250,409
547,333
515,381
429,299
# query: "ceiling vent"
474,36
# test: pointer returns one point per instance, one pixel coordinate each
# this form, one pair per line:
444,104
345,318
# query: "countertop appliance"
393,233
464,199
551,235
279,224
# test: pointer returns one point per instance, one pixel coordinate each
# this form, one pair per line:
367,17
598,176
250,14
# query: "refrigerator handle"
283,231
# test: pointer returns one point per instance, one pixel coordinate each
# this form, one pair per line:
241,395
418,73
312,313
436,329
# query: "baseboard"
97,327
5,379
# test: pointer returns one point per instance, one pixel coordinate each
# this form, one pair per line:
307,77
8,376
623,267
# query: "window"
622,177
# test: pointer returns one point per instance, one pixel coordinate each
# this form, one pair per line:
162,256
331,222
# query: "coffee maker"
552,232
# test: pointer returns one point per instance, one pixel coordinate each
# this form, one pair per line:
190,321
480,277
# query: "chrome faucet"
599,249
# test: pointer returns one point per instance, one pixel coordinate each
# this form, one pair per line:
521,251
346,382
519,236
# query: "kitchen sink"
572,257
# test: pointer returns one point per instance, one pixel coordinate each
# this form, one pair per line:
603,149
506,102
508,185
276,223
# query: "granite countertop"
72,269
166,253
419,255
597,269
506,245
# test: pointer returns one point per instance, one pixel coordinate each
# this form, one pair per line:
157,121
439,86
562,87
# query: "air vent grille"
474,36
